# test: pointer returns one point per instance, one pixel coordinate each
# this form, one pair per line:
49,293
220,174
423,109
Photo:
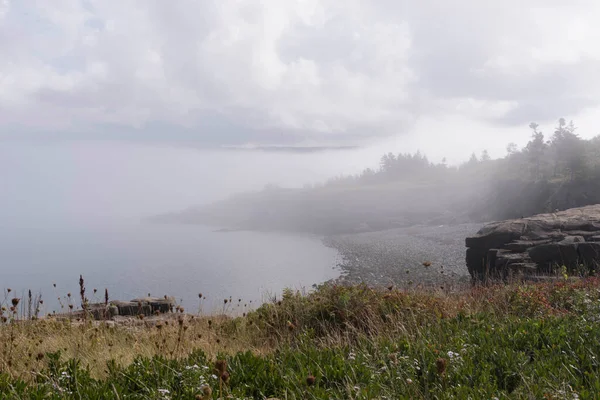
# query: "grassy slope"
516,341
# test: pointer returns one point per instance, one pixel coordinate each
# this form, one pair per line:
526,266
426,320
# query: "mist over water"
78,208
103,181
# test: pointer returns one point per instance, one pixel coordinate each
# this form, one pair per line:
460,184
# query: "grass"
508,341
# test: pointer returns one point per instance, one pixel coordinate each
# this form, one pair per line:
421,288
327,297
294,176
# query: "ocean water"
138,258
77,207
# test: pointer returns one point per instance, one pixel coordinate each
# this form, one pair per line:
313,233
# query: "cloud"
209,73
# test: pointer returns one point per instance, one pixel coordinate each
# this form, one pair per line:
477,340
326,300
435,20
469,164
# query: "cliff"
536,245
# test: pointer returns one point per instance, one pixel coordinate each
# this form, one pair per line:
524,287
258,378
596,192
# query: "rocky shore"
405,257
543,244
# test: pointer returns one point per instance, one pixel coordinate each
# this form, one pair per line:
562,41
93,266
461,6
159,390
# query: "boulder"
536,244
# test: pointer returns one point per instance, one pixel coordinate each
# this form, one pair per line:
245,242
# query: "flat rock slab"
146,306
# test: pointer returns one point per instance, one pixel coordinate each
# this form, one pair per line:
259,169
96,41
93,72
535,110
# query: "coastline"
431,256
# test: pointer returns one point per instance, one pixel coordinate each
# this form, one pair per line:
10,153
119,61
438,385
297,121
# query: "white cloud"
314,70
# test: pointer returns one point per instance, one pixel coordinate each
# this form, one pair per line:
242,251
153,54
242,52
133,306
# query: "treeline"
563,155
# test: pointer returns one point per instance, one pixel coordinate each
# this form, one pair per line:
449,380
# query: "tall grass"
343,342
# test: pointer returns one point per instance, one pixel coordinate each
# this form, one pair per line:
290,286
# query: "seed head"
206,393
310,380
225,377
441,365
221,366
199,295
15,301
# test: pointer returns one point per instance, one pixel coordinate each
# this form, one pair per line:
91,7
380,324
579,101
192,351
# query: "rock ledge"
536,245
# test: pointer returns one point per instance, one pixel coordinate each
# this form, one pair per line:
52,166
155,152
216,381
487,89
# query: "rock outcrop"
145,306
536,245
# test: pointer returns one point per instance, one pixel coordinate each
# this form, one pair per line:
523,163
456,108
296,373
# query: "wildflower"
352,356
409,381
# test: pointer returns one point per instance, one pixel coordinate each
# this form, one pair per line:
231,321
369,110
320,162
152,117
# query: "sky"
120,108
446,77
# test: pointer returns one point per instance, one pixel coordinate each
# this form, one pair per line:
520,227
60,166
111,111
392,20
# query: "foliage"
514,341
565,155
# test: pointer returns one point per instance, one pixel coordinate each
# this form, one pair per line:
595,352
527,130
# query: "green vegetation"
506,341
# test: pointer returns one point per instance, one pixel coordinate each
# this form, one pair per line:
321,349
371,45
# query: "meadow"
506,341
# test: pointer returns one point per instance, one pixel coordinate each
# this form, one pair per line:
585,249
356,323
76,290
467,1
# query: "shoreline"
429,256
